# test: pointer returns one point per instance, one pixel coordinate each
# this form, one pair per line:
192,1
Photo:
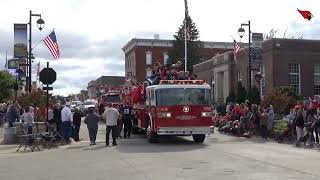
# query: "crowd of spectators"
246,119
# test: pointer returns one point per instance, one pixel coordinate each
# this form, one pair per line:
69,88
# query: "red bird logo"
306,14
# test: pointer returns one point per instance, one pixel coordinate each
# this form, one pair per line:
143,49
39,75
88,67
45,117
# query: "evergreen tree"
241,93
194,45
255,96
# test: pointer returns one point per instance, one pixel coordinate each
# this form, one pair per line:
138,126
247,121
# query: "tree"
7,82
231,97
241,93
255,96
282,98
273,33
193,45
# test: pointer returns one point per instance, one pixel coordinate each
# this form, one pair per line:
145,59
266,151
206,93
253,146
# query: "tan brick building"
286,62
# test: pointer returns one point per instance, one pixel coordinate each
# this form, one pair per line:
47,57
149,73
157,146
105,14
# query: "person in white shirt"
66,117
28,119
111,115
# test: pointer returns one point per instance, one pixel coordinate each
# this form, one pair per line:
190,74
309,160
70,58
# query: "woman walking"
92,123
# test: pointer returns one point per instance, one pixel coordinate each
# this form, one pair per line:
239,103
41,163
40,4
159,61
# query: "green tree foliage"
255,96
7,82
194,46
231,97
241,93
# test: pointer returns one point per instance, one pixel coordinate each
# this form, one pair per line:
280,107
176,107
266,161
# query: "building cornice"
168,43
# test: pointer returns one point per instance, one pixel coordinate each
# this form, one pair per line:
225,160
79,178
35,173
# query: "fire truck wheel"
199,138
152,136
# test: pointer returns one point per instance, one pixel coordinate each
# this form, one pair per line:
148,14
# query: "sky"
91,33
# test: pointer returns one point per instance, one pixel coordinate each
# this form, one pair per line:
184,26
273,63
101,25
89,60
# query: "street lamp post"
40,24
213,91
241,32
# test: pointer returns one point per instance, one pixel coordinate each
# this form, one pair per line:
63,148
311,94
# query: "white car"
89,104
74,104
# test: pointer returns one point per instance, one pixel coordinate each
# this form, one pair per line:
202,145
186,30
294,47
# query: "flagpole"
6,65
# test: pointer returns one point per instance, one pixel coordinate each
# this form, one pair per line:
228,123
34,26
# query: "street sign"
257,39
49,88
48,76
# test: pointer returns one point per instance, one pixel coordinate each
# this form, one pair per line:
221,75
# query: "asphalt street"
220,157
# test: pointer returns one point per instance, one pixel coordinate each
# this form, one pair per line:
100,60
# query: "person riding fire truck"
173,108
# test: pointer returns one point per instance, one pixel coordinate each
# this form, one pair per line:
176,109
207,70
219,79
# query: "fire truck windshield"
112,98
182,96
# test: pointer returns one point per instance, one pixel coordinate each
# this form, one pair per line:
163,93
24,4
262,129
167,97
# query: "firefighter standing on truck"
127,115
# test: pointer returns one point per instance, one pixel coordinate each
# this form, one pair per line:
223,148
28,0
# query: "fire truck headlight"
164,115
206,114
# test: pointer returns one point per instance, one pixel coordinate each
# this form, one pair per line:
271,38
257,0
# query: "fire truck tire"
152,136
199,138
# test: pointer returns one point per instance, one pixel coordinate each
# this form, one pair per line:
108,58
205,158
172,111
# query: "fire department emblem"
185,109
186,117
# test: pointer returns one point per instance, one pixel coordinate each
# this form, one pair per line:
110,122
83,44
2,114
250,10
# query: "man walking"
13,113
66,117
111,115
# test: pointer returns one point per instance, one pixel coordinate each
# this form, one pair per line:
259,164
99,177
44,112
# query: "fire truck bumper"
185,130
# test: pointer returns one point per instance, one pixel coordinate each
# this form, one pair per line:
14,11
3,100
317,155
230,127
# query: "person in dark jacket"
299,122
57,116
127,116
13,114
77,115
92,123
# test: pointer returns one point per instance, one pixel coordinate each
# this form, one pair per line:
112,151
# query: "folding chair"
28,140
52,136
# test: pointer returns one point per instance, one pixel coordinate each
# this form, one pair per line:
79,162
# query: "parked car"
74,104
89,104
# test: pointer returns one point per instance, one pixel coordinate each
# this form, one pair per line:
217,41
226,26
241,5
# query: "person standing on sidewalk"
77,115
127,114
92,124
66,117
111,115
264,124
13,113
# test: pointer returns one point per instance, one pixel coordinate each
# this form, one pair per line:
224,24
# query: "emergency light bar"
181,82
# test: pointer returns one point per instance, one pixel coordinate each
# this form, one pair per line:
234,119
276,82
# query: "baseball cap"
68,104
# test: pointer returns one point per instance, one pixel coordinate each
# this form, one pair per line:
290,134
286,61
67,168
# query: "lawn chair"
28,140
52,136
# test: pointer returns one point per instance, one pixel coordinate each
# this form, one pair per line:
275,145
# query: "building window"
149,58
294,77
165,58
316,79
239,77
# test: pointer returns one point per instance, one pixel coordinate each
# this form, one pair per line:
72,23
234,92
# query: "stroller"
308,136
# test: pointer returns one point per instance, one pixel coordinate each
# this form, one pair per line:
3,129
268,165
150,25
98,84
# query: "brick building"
286,62
142,54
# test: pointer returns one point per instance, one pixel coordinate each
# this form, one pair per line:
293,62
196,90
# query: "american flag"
236,49
52,44
186,15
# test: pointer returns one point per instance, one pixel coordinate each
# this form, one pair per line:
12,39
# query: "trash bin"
9,135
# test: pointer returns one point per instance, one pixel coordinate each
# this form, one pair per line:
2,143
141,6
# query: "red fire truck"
176,108
112,96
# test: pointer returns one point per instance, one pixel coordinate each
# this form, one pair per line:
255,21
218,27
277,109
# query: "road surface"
221,157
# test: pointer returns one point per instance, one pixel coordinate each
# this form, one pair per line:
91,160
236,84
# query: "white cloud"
104,26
